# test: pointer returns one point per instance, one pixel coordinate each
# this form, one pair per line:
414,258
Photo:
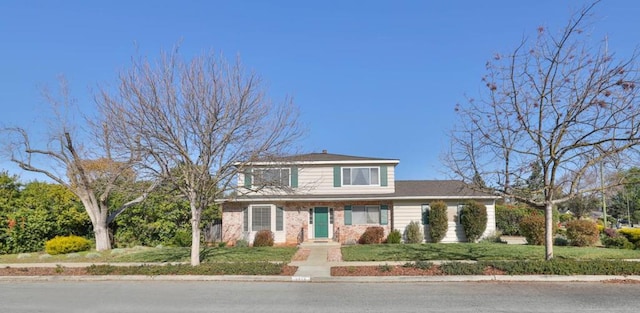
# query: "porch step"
319,242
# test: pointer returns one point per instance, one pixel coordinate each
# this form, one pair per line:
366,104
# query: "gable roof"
436,188
326,158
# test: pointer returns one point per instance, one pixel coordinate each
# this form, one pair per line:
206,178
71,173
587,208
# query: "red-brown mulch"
288,270
391,270
622,281
301,255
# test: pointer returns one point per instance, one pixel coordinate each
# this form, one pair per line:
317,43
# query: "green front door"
321,226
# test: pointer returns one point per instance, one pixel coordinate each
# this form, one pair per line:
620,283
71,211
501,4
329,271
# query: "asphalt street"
194,296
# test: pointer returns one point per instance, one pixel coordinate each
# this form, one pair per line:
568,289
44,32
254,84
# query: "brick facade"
296,222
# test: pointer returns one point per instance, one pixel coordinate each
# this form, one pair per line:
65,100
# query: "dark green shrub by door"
438,221
474,220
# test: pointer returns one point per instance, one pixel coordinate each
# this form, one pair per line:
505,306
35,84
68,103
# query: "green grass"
166,254
475,251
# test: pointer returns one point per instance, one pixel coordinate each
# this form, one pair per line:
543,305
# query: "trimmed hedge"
67,244
567,267
473,220
541,267
438,221
222,268
508,218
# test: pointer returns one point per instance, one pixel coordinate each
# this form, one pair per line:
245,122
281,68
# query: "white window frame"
365,210
350,176
252,219
459,213
272,217
257,178
425,208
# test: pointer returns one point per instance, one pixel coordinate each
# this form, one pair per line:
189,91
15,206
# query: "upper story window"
280,177
360,176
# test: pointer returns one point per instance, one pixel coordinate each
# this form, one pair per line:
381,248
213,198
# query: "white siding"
318,180
406,211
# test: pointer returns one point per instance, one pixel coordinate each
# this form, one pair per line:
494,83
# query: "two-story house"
323,196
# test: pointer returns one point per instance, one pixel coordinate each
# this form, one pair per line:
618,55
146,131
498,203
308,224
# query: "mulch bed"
301,255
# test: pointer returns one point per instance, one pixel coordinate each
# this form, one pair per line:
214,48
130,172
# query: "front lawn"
476,251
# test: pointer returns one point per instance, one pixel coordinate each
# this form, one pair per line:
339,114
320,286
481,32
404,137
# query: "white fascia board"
391,198
395,162
447,198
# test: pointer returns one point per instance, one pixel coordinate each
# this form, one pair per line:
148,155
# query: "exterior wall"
232,223
407,211
296,222
318,180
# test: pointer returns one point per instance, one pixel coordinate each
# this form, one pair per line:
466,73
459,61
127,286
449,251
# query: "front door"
321,218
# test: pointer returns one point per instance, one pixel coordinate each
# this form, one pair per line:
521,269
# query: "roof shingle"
435,188
325,157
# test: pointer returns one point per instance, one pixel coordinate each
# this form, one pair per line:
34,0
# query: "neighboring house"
322,196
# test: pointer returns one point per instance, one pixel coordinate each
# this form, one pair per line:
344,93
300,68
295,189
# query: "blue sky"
371,78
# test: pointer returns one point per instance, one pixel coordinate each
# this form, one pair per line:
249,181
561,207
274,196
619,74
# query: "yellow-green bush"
633,234
67,244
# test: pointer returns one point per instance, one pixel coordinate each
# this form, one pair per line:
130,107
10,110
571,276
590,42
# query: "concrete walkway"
317,263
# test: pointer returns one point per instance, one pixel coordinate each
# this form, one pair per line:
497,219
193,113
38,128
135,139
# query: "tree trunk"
195,241
548,232
101,232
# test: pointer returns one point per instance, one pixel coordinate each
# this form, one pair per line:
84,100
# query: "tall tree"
198,120
558,102
626,201
69,157
582,205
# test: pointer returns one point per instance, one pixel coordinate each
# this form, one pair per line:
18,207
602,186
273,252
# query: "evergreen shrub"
413,233
438,221
394,237
532,228
474,220
67,244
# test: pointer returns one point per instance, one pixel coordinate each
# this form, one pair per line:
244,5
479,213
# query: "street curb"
333,279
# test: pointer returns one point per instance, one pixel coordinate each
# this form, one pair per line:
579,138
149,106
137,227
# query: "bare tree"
553,110
199,120
82,161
